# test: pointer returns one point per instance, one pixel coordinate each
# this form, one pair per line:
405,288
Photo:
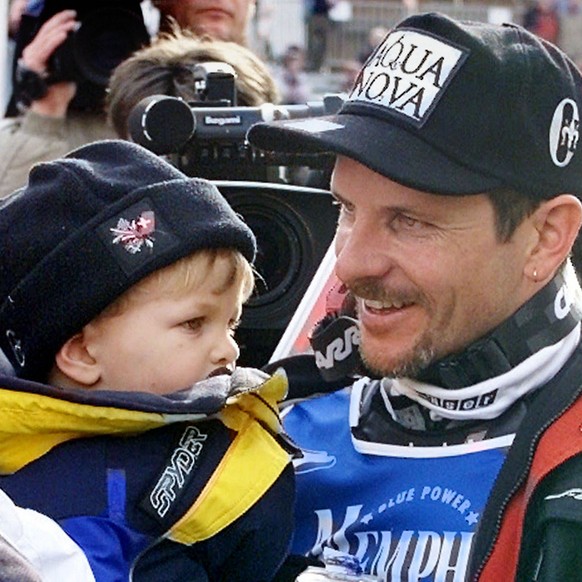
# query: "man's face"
427,270
162,342
222,19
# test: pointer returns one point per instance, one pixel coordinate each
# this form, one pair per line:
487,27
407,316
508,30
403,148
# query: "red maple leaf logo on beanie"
135,234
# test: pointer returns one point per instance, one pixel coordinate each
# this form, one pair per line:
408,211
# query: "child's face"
163,342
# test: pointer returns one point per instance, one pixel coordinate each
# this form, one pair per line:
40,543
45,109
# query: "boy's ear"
74,361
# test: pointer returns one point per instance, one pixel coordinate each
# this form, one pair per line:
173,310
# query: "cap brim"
383,147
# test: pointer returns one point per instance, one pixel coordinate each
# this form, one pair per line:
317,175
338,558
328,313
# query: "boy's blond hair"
186,275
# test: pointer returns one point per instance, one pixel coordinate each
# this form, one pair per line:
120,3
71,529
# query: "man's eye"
408,221
344,207
405,221
346,214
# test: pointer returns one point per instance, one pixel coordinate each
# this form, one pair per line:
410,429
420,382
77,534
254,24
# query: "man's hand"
36,56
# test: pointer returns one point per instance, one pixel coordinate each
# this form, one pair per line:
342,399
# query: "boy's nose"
226,351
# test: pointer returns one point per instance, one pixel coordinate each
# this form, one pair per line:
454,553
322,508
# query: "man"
458,178
221,19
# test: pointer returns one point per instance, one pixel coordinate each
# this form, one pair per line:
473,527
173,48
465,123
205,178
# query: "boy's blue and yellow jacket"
192,486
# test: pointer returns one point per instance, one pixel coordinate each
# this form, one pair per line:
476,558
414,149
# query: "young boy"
121,282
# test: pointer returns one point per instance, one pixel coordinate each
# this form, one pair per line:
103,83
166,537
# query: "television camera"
294,223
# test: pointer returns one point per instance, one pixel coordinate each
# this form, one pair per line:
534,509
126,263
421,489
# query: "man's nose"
360,253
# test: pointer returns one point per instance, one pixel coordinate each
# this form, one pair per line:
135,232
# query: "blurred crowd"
48,111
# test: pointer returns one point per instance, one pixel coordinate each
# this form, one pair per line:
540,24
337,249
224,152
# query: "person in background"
221,19
51,125
166,67
292,80
125,418
350,69
51,114
375,36
455,452
543,19
54,117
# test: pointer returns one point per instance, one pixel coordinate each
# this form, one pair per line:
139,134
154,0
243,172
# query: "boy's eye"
194,324
233,324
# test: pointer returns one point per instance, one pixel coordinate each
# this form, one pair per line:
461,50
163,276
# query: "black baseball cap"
454,107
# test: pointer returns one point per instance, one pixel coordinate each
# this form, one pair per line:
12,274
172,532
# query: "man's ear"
75,362
557,222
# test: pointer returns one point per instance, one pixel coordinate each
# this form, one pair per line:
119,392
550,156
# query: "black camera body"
207,137
294,224
109,31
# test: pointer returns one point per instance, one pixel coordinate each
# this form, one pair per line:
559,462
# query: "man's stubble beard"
409,366
422,354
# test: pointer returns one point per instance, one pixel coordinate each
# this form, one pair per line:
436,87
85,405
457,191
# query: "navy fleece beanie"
85,229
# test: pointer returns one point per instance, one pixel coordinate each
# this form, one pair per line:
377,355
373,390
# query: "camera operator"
166,68
49,126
